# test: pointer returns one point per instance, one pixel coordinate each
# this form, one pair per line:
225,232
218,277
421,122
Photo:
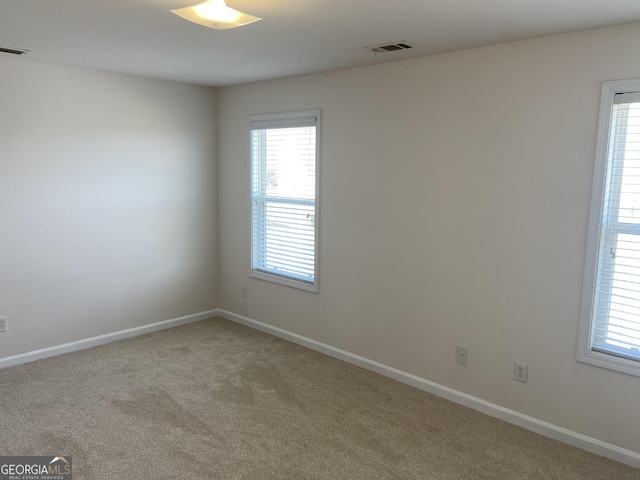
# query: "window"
284,188
610,324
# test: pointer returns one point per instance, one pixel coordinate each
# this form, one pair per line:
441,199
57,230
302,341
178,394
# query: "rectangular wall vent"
13,51
391,47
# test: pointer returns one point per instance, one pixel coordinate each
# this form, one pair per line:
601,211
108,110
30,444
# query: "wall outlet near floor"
462,355
243,292
3,324
521,372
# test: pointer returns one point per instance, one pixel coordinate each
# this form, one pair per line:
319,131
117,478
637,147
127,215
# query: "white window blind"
283,198
615,323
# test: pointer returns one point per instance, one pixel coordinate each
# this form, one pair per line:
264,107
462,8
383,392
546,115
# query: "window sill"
611,362
288,282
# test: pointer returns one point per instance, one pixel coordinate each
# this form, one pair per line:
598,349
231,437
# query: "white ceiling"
295,36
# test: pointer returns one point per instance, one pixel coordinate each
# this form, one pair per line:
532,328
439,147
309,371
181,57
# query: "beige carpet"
215,400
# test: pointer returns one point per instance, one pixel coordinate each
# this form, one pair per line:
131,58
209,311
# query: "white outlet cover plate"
521,372
462,355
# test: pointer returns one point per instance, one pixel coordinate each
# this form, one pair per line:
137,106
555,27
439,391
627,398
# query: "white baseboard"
103,339
547,429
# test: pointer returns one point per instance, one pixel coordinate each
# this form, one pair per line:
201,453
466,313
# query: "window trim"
585,353
286,119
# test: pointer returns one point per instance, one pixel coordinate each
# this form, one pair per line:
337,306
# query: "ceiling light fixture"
215,14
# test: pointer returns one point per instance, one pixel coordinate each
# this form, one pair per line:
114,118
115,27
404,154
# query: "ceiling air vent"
13,51
391,47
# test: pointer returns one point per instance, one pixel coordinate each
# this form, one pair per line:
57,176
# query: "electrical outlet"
521,372
3,324
243,292
462,355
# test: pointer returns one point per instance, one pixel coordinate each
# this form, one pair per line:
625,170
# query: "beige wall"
107,203
455,198
454,212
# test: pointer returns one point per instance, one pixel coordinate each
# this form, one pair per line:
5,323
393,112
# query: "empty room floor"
217,400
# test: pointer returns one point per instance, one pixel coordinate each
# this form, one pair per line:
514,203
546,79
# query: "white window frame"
586,353
282,120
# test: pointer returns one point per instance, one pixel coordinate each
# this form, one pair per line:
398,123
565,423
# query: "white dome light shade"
215,14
